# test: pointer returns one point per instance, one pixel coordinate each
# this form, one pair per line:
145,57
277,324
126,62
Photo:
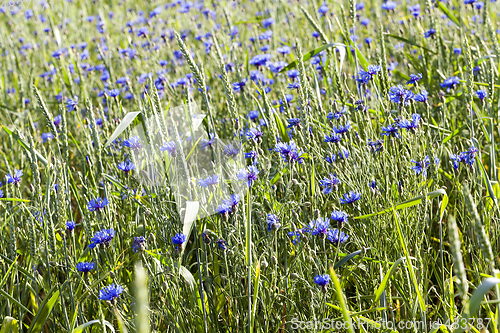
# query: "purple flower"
70,225
421,166
138,244
400,95
322,280
15,178
133,143
330,183
414,78
273,222
248,174
208,143
481,94
389,5
85,267
72,104
336,236
179,239
126,166
102,237
209,181
422,97
350,197
110,292
450,83
391,130
430,32
170,148
411,125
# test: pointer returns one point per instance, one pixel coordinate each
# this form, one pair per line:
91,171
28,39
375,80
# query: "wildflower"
376,146
340,217
331,158
414,78
350,197
133,143
430,32
391,130
126,166
337,237
273,222
421,166
209,142
248,174
72,104
1,194
295,85
323,9
469,157
209,181
102,237
138,244
289,152
47,136
337,114
284,50
344,154
15,178
254,134
233,201
321,226
411,125
223,210
422,97
95,205
400,95
481,94
222,244
142,32
231,149
110,293
170,148
330,184
366,76
295,237
70,225
450,83
334,138
178,240
341,130
293,122
389,5
322,281
85,267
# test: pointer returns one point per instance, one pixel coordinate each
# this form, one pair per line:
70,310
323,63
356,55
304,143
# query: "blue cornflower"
16,178
289,151
223,210
126,166
284,50
422,97
295,237
85,267
70,225
142,32
72,104
376,146
322,280
294,85
267,22
47,136
337,114
293,122
430,32
110,293
391,130
1,194
251,154
398,94
331,158
114,92
179,239
469,157
323,9
389,5
340,217
209,142
232,149
238,86
95,205
414,78
254,134
170,148
102,237
321,226
260,60
350,197
450,83
334,138
293,73
233,201
138,244
342,129
330,184
273,222
343,154
366,76
221,244
481,94
421,166
209,181
411,125
336,236
248,174
133,143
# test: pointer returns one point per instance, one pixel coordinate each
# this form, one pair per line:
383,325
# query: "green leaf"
24,144
14,199
309,55
9,324
46,308
347,258
126,121
281,128
410,42
385,280
447,12
92,322
409,203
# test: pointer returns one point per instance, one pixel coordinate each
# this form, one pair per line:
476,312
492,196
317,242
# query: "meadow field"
249,166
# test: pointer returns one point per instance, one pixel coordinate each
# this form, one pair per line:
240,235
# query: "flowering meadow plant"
231,166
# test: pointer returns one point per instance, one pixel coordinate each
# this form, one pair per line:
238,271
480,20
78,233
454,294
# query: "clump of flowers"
102,238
